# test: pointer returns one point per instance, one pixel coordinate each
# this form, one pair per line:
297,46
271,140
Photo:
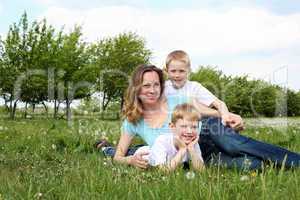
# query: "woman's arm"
135,160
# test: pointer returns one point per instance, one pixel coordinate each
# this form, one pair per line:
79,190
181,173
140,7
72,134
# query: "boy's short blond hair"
185,111
178,55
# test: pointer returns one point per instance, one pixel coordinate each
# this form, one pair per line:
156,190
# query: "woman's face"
150,89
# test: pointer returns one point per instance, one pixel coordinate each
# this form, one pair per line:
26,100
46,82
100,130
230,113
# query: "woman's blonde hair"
185,111
178,55
133,108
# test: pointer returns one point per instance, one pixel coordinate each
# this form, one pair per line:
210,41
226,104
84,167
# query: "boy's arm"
176,160
195,155
196,159
221,107
233,120
205,110
171,165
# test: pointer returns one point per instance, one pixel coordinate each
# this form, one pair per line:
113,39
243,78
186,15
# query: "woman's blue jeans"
221,145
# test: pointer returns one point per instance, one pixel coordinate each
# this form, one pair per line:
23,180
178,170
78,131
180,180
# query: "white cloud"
202,33
46,2
1,7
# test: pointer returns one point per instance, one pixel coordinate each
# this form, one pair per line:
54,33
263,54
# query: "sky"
259,38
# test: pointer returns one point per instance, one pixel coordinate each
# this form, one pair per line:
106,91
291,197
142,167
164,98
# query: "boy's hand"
192,144
236,122
179,143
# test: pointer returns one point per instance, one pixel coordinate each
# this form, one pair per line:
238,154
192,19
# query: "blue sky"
259,38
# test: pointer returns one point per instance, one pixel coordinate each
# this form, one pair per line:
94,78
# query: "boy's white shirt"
163,150
190,89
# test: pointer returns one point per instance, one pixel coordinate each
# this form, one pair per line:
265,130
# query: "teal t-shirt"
147,133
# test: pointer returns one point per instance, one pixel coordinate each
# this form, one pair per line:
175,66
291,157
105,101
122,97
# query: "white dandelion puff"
190,175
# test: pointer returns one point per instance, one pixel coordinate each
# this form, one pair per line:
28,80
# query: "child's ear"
171,125
165,72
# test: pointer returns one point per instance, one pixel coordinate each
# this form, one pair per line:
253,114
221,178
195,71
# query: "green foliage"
38,64
115,58
293,103
248,97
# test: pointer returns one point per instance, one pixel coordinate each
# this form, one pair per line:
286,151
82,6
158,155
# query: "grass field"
47,159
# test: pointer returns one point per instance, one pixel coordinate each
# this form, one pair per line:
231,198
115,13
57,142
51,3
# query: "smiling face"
150,89
178,73
185,129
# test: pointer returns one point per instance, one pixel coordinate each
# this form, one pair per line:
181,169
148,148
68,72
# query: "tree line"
40,64
248,97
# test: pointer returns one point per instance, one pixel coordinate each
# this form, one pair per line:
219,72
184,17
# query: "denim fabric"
110,151
233,148
223,146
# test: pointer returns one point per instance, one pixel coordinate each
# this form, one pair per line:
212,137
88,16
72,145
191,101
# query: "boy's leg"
235,145
243,162
212,155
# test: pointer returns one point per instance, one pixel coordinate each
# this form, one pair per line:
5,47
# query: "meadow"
43,158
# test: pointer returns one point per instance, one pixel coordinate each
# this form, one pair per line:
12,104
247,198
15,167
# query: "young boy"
178,66
170,150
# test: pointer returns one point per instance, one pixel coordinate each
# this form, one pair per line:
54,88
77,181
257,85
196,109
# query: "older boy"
178,66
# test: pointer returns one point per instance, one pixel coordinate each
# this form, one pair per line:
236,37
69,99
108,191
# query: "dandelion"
256,132
104,163
244,178
85,112
190,175
53,146
253,174
39,195
247,163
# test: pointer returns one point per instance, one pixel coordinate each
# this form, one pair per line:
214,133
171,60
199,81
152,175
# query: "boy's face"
186,130
177,73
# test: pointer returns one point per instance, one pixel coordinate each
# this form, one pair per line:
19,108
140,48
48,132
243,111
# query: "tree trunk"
45,107
68,111
13,111
33,107
25,113
55,110
5,103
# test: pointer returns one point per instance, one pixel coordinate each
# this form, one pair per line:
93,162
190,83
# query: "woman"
147,114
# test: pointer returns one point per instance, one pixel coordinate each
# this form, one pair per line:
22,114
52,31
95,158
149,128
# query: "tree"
13,59
293,103
115,58
72,83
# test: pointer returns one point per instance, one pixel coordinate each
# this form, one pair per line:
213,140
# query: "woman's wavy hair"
133,108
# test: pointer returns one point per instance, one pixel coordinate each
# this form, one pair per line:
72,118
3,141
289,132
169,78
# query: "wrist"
128,160
182,150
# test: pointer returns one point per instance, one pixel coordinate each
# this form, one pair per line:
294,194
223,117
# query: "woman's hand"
138,161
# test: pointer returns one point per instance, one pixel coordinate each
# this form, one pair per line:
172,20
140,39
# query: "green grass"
47,159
